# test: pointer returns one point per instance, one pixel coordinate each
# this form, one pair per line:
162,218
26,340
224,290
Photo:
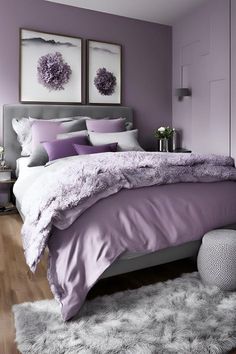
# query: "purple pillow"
44,131
88,149
106,125
57,149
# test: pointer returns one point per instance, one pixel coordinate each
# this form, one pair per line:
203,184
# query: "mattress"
26,176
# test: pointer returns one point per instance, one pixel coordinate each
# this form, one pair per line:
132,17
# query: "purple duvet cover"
91,210
141,220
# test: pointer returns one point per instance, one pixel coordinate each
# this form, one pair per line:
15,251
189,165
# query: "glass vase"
163,145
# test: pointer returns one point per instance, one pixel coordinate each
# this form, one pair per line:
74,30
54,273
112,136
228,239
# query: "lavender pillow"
88,149
106,125
63,148
44,131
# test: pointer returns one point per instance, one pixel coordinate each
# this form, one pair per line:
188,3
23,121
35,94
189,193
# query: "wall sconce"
183,92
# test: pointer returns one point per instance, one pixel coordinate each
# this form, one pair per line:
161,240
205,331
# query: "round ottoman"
217,259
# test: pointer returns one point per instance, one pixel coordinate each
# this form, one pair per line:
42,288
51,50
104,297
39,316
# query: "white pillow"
128,125
22,127
127,140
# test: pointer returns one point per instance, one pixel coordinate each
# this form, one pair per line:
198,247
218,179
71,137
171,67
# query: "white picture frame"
50,68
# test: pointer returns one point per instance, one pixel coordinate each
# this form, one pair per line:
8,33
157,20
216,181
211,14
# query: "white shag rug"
179,316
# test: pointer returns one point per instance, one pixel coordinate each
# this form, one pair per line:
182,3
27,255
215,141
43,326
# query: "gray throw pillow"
72,134
39,156
75,125
127,140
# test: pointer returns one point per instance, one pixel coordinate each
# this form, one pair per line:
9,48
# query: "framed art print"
103,72
50,68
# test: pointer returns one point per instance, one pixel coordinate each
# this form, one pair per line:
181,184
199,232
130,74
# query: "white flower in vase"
161,129
2,162
163,134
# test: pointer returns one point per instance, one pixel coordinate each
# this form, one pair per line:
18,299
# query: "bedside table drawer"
4,194
5,176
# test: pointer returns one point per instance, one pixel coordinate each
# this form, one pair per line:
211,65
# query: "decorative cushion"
106,125
88,149
22,127
216,259
63,148
127,140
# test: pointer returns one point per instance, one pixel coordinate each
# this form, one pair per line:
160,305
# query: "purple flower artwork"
53,72
105,82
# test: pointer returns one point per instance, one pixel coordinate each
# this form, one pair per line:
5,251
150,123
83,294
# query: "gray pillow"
127,141
75,125
39,156
72,134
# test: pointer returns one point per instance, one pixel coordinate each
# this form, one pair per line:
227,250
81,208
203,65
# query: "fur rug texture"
179,316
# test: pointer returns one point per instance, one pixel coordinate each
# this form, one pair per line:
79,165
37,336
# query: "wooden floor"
17,284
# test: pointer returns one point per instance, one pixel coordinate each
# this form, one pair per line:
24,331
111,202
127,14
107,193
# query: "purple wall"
201,47
147,55
233,79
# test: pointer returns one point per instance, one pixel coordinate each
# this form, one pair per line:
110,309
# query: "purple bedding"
90,224
146,219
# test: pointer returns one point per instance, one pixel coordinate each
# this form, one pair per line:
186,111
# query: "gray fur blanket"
79,182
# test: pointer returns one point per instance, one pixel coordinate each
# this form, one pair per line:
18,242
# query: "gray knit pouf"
217,259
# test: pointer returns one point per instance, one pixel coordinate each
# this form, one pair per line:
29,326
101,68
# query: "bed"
219,199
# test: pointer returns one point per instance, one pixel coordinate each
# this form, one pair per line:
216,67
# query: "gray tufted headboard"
11,145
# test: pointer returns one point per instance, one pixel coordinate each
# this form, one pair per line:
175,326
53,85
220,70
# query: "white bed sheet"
26,176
